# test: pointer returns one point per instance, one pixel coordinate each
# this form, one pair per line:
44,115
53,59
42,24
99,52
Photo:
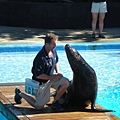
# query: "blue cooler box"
31,86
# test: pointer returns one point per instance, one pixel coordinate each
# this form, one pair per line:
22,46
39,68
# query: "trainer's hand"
57,76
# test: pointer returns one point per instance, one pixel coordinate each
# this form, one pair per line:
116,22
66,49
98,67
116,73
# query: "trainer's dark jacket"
44,64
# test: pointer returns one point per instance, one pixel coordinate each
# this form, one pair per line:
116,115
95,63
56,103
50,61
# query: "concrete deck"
14,35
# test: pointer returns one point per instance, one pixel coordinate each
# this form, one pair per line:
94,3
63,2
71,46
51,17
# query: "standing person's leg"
94,11
101,24
94,22
103,10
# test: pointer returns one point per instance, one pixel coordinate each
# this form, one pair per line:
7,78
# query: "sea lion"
83,88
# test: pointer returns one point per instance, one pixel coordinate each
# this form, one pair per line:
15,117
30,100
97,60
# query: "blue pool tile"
78,46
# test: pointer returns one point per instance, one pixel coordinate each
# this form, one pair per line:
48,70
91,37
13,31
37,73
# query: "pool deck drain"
25,112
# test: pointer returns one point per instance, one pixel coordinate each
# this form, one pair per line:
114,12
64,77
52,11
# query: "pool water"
2,117
16,66
5,113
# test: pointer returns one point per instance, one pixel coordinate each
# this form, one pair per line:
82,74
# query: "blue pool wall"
60,46
5,113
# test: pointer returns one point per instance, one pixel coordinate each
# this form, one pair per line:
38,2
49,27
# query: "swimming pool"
16,62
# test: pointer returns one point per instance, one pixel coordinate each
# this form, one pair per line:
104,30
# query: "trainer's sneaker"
17,98
101,35
53,94
57,106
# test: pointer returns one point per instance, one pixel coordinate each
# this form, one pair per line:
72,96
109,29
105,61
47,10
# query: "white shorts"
43,95
100,7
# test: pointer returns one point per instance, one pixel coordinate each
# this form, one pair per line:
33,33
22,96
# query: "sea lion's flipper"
94,109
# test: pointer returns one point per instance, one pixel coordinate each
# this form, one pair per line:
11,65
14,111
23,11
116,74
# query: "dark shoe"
53,94
17,98
57,106
93,35
101,36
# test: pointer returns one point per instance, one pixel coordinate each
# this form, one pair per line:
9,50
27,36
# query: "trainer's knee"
66,82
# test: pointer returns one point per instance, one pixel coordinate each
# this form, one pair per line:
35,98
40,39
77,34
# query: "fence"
54,15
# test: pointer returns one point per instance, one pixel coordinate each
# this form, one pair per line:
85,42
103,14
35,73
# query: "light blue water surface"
16,66
2,117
